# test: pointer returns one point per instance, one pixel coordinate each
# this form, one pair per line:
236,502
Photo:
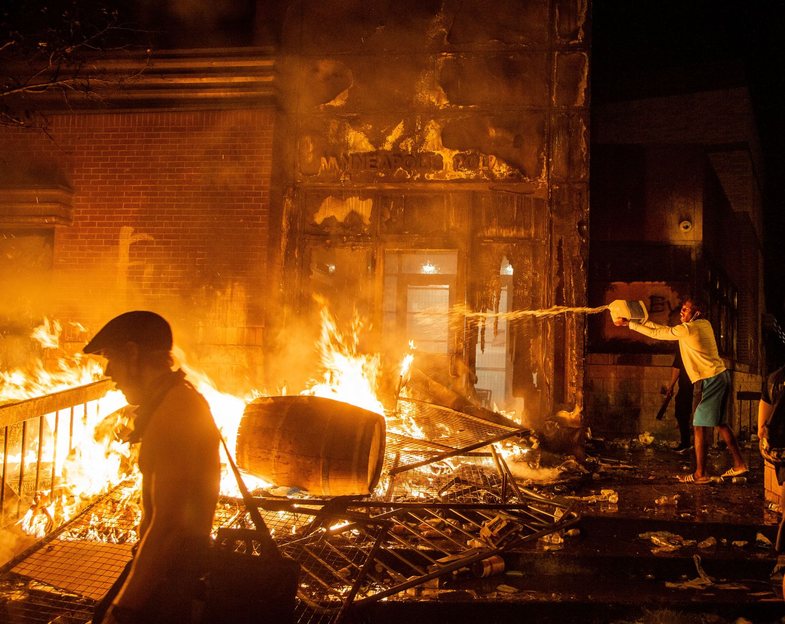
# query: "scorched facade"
407,163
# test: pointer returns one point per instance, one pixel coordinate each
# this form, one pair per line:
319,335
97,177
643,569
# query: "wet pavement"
648,549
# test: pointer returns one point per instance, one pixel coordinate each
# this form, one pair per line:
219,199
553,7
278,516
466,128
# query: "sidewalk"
664,553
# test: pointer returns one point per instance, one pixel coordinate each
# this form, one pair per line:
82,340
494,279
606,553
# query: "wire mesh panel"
423,433
447,504
68,571
86,569
27,601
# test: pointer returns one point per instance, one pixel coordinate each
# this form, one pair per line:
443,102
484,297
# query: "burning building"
416,172
400,162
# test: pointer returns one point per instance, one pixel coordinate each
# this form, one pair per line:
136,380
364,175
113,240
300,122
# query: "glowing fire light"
72,371
98,461
349,375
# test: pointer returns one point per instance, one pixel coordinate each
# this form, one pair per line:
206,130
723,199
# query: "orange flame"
96,460
349,376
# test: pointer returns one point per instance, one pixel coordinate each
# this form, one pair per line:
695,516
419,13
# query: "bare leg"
733,446
779,545
700,451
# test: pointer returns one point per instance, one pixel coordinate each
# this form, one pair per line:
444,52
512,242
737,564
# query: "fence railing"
31,442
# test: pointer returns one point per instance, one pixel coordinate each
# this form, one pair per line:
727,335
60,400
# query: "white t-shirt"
696,343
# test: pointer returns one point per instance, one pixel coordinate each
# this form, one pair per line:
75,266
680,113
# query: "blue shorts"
710,399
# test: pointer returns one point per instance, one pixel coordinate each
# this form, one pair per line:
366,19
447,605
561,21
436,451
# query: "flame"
95,460
68,372
227,411
92,459
82,466
349,376
48,334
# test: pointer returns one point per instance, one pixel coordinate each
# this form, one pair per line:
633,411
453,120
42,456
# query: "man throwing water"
711,383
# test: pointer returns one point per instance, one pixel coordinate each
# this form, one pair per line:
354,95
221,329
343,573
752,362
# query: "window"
419,291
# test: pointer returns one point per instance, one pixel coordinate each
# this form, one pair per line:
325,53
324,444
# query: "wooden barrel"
322,446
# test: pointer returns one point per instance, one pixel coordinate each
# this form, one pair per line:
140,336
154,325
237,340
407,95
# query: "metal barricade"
34,431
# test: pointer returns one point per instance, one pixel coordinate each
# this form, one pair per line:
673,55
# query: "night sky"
633,39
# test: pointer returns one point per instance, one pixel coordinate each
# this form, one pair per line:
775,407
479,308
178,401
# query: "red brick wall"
170,211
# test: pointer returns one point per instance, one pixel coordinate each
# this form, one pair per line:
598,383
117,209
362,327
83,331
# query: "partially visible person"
711,384
180,466
771,422
682,402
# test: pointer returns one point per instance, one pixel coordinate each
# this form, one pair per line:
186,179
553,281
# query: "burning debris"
424,489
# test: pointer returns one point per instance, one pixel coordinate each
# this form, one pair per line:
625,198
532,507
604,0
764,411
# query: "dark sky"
633,38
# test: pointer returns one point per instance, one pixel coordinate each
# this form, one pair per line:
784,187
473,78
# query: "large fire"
96,461
349,376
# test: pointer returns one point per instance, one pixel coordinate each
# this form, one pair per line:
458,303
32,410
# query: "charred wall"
227,186
425,127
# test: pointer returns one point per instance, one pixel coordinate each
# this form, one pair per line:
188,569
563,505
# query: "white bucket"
630,310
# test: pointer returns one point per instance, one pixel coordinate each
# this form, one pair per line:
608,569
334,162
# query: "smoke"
292,355
12,542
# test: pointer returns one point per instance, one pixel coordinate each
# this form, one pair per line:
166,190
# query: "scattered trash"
507,589
494,529
612,496
488,567
552,538
762,540
696,583
646,439
605,496
709,542
775,507
552,541
667,501
739,543
703,580
666,541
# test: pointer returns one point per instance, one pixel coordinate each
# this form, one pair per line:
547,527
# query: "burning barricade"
381,501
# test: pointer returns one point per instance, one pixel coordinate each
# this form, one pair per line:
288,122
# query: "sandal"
691,478
734,472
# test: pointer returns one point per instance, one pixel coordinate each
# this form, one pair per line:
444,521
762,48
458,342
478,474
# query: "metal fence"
34,432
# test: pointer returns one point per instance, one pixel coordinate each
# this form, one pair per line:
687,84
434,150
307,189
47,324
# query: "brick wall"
622,399
170,211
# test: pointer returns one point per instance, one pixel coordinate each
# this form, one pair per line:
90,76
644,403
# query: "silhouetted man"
179,462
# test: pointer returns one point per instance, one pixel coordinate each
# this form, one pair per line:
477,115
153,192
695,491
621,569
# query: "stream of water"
542,313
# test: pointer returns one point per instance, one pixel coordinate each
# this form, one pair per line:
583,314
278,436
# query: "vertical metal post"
5,467
55,437
39,454
22,453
